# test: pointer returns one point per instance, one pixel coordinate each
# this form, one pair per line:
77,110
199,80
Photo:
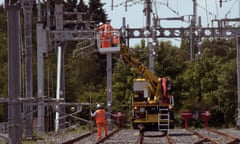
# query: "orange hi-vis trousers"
99,130
101,122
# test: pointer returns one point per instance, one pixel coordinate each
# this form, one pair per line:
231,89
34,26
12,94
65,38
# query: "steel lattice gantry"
183,33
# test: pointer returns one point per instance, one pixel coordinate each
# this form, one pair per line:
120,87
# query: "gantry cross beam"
183,32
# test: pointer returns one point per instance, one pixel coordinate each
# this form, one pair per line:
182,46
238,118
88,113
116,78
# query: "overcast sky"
207,9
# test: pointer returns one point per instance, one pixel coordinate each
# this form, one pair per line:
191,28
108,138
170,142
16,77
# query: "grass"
50,138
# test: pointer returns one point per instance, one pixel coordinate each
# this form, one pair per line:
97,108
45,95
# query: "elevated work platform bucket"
108,42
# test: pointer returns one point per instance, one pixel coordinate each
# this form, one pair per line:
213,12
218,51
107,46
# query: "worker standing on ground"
100,118
106,36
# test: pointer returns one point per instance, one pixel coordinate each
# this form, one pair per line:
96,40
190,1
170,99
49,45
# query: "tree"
220,47
70,5
170,60
122,83
96,12
82,7
209,83
225,97
3,58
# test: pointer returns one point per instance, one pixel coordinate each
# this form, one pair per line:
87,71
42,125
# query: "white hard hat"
98,105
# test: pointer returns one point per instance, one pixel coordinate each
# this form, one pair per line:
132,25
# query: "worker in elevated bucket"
106,36
100,118
115,40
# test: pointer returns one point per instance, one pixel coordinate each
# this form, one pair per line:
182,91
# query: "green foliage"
170,60
209,83
122,83
3,60
3,65
82,72
195,82
224,48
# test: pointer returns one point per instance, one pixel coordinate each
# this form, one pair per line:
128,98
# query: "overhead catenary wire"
177,6
168,6
216,9
155,6
128,3
206,12
230,9
171,9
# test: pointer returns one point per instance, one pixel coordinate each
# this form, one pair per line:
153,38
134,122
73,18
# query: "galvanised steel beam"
27,108
14,74
183,32
207,32
71,35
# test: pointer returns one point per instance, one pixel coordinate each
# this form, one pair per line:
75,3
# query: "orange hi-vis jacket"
100,116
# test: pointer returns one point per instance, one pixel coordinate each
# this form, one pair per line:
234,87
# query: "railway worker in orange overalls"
164,90
106,36
115,40
100,118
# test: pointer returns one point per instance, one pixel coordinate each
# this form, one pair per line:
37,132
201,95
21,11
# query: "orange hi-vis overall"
100,118
106,37
115,40
164,90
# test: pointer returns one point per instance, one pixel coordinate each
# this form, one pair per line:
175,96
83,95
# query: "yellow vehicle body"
148,99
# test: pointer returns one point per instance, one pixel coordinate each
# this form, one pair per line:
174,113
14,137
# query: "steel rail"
107,137
71,141
201,137
234,141
140,137
169,139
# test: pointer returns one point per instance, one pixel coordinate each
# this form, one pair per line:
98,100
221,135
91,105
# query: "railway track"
214,137
154,137
232,132
184,136
174,136
122,137
114,137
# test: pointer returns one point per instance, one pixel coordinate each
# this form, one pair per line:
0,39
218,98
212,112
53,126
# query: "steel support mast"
238,80
193,26
27,11
14,72
238,74
42,47
147,11
109,89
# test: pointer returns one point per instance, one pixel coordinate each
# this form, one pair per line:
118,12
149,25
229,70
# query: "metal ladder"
163,119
